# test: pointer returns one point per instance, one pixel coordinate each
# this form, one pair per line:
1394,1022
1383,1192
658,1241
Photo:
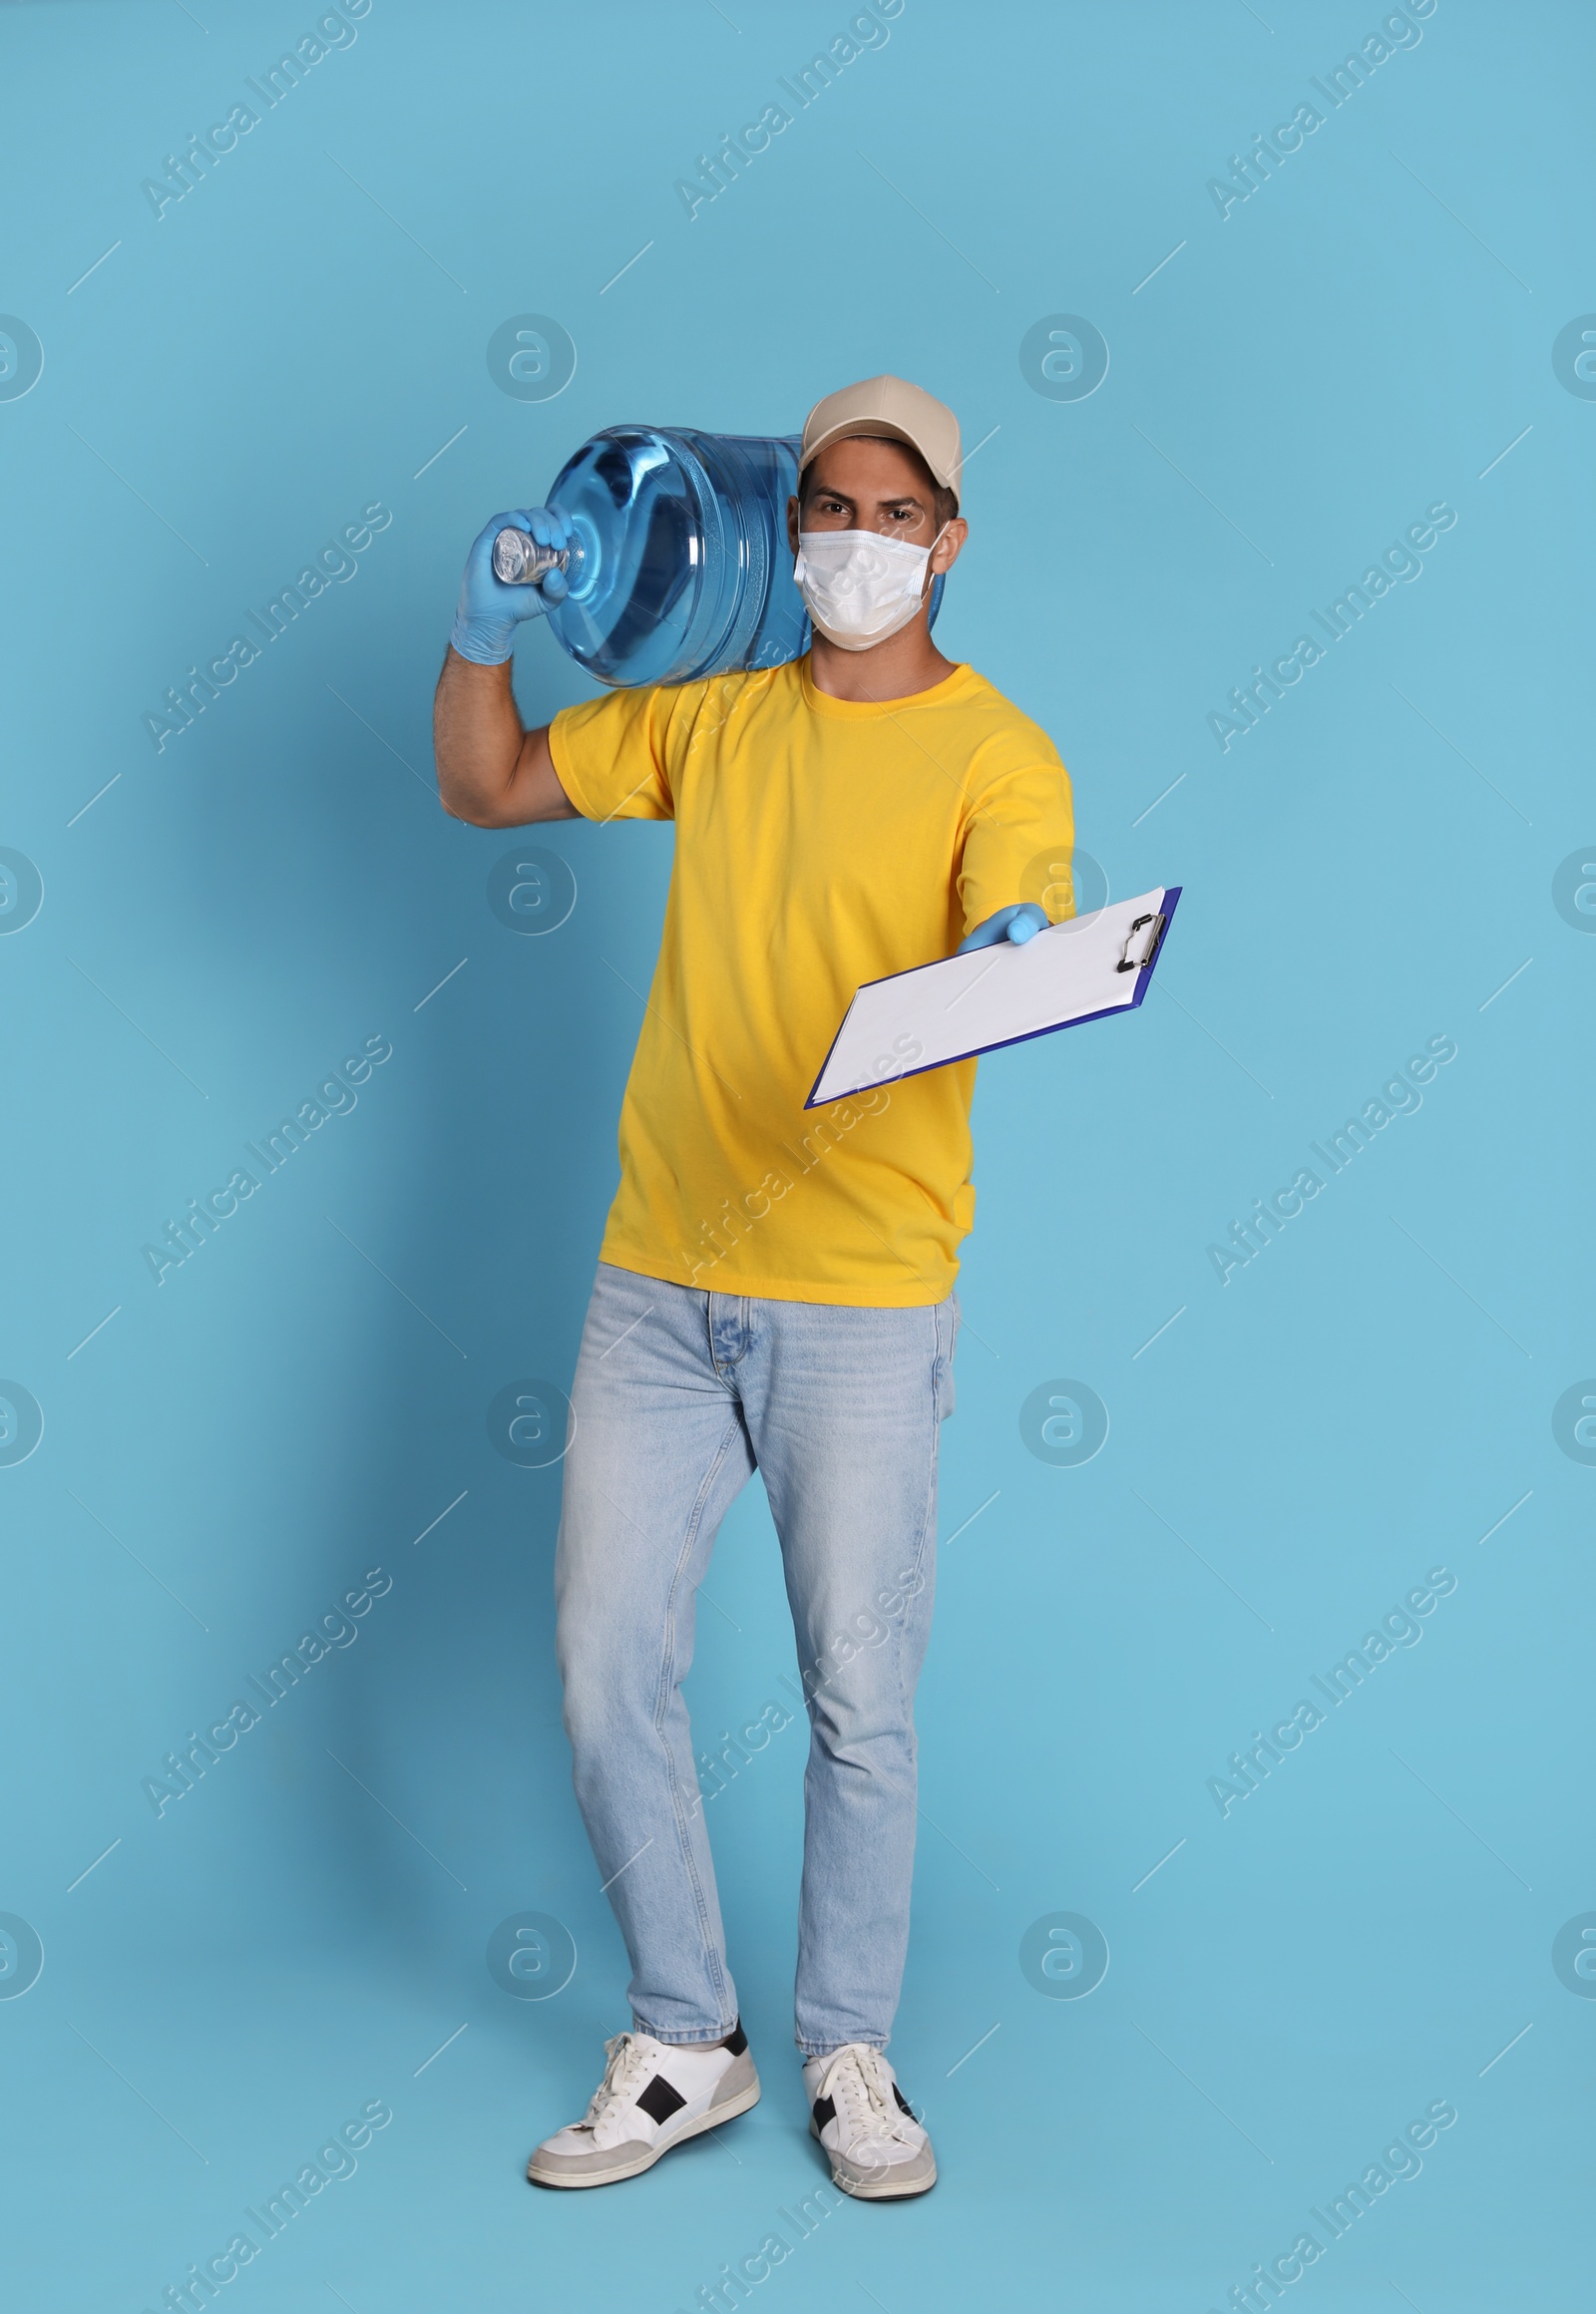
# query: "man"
776,1288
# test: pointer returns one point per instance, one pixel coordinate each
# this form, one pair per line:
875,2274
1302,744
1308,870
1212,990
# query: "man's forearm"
492,772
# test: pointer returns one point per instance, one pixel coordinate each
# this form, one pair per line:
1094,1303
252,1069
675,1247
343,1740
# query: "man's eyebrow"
892,499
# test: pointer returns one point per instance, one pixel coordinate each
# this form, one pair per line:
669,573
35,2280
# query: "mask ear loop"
933,576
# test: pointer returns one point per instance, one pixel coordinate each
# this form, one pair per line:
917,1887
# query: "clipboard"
1085,968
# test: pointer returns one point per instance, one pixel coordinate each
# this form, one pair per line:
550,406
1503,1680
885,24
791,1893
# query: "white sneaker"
877,2150
653,2095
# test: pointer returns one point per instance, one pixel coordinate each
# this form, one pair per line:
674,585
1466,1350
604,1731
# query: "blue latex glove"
1019,924
489,611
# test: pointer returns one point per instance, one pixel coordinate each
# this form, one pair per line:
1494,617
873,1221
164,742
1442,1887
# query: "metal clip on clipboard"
1142,943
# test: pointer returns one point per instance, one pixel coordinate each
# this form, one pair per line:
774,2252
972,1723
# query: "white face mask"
859,588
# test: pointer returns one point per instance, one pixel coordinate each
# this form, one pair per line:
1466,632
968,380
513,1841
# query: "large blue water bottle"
680,567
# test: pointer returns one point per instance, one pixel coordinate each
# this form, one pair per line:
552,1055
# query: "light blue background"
1366,335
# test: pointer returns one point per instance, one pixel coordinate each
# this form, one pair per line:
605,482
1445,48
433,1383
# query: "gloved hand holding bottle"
489,611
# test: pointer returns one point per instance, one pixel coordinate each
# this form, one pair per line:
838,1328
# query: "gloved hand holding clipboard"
1081,969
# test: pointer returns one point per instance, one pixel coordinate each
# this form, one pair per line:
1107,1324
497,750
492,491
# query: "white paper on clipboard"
961,1006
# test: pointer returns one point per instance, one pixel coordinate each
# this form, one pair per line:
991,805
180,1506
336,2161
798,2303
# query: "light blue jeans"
679,1397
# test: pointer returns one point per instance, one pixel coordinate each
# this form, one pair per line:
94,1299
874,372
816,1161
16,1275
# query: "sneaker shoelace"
625,2064
858,2088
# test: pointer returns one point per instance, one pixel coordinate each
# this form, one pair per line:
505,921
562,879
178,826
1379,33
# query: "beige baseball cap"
894,407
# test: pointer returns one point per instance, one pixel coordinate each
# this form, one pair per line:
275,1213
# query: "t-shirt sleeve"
618,757
1019,834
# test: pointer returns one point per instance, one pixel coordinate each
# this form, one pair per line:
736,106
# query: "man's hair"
944,502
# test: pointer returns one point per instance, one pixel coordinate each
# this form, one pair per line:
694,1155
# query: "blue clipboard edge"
1171,902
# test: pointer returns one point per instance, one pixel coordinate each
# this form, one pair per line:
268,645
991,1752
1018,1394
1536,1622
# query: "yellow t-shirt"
820,842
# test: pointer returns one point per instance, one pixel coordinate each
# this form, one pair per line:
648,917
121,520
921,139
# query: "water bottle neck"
520,560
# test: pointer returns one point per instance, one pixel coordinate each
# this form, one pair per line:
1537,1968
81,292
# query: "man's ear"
792,523
946,551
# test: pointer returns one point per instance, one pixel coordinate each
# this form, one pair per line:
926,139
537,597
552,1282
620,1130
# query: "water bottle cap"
519,560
